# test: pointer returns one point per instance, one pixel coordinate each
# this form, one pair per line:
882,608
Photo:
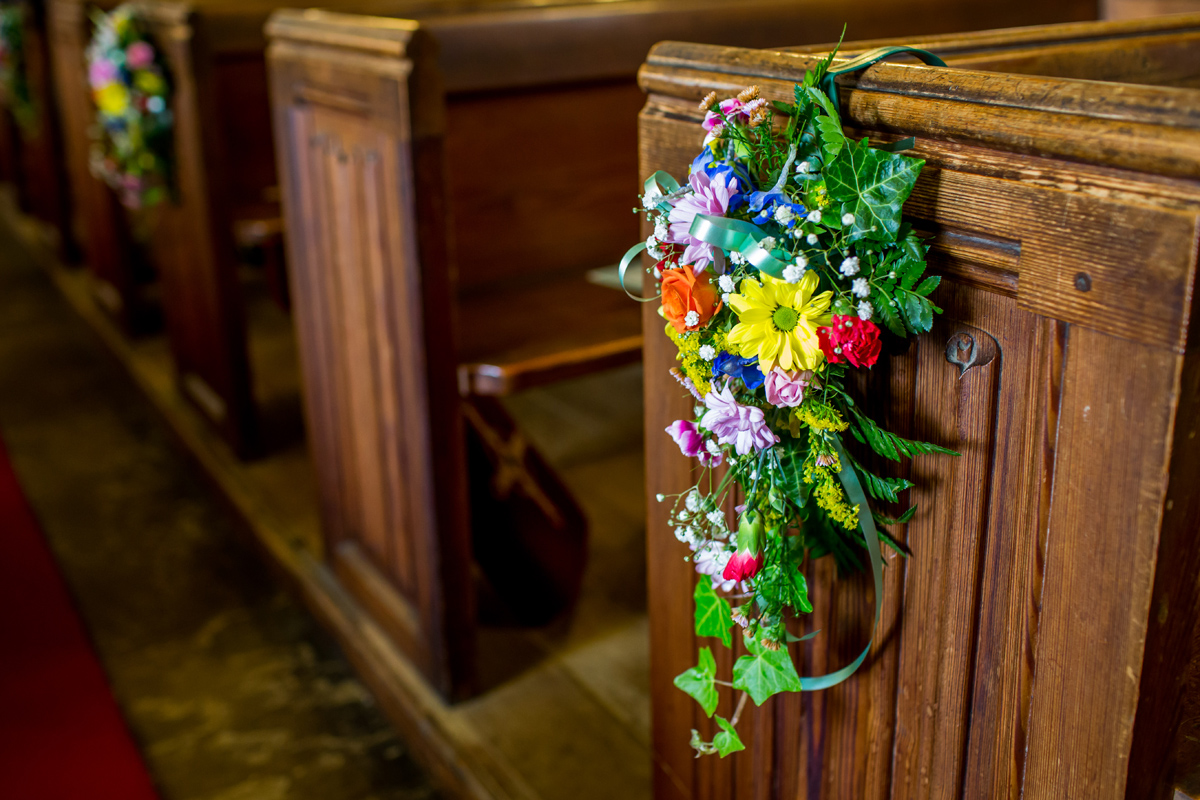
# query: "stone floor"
229,687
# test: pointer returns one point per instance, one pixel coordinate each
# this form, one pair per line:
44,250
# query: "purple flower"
709,196
744,427
102,73
139,55
787,388
685,434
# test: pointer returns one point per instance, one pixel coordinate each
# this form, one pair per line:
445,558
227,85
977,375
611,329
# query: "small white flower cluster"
784,215
811,238
849,266
691,319
860,287
847,219
793,273
707,352
651,198
814,216
768,243
865,310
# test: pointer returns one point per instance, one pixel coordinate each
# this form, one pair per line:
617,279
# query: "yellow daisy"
778,321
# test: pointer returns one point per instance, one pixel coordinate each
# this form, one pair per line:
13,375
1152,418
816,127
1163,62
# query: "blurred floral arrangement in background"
14,83
132,135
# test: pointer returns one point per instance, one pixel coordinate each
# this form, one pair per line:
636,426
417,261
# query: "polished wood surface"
1029,647
450,171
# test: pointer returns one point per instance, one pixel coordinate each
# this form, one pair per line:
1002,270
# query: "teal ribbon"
662,184
870,58
866,522
738,235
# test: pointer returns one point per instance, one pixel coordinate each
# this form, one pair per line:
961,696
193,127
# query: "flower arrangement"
14,87
132,136
783,264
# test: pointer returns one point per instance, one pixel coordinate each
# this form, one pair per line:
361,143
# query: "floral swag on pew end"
131,139
783,263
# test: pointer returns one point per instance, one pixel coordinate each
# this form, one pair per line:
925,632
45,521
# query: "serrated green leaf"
888,444
918,311
909,270
713,614
881,519
887,489
764,673
699,681
833,139
882,301
727,740
873,185
928,285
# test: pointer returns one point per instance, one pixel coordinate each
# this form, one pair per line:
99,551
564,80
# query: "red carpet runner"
61,734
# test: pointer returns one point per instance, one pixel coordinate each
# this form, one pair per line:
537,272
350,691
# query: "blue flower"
766,204
736,367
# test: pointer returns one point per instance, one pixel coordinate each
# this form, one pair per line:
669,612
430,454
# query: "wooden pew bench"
1041,639
33,158
448,181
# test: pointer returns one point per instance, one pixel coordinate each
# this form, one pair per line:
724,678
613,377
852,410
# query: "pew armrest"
520,338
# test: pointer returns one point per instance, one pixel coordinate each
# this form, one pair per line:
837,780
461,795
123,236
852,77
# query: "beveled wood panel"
1010,657
376,341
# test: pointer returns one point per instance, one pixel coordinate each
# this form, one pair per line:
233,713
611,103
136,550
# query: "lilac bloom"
737,367
709,196
744,427
710,166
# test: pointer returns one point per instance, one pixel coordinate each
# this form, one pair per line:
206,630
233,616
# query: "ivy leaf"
701,747
699,681
764,673
727,740
713,614
873,185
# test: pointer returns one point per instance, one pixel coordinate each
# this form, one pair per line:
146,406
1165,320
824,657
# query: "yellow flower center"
785,318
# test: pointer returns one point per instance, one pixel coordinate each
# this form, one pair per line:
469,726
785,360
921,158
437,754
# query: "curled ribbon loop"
739,236
870,58
866,522
626,260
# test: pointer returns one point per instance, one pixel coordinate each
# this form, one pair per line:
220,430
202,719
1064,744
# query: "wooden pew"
225,187
35,152
447,181
1041,641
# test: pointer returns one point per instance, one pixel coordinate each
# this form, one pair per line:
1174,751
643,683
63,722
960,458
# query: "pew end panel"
1023,647
373,290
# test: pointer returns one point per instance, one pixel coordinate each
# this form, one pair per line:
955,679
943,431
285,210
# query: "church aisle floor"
229,687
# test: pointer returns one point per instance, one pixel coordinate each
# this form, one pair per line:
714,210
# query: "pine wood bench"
1041,640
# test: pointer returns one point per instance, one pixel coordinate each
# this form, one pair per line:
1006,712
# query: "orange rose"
685,293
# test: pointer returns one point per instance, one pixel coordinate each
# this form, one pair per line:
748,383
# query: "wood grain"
1012,659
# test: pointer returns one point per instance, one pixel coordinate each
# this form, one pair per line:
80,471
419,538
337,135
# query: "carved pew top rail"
988,129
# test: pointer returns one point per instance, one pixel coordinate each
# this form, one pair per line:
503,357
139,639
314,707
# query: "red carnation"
850,339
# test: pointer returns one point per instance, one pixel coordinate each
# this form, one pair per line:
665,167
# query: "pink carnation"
744,427
101,73
786,388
